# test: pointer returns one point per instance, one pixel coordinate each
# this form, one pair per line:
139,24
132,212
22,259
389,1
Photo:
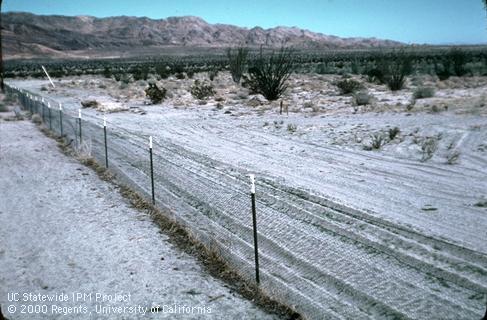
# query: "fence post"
61,119
42,104
79,123
151,171
49,113
105,135
254,221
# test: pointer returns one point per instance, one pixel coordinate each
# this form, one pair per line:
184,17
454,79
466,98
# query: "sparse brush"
423,92
107,72
236,62
155,94
36,119
212,74
458,57
377,140
190,73
453,157
163,70
89,104
393,132
395,68
362,98
428,148
347,86
84,151
202,90
292,127
268,75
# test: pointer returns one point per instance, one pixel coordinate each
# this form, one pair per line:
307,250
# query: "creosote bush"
202,90
347,86
155,94
268,74
236,62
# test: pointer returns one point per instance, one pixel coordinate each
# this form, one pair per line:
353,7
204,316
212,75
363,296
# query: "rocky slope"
29,35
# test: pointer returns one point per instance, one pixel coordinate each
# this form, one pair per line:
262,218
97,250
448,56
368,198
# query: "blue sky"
410,21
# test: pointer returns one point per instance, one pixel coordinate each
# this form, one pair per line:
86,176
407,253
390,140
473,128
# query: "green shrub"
202,90
395,67
268,74
212,74
163,70
347,86
458,57
155,94
393,132
3,108
423,92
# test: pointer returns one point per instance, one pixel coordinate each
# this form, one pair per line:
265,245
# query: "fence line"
306,255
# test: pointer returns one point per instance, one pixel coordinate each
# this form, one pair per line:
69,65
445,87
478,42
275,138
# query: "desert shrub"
190,73
236,62
107,72
458,57
141,73
268,75
292,127
212,74
3,108
155,94
322,68
89,104
442,70
395,67
163,70
202,90
423,92
347,86
393,132
180,76
375,75
362,98
36,119
428,148
453,157
377,140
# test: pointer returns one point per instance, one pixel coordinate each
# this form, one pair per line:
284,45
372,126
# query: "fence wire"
310,258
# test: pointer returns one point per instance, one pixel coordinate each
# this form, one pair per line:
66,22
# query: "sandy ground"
386,233
64,231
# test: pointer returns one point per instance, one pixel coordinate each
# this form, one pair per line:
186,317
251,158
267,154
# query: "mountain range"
27,35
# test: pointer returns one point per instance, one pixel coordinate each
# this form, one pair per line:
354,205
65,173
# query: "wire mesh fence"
309,258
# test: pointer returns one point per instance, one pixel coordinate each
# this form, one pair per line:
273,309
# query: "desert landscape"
369,156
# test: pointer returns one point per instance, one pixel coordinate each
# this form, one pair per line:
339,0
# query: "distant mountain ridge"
28,35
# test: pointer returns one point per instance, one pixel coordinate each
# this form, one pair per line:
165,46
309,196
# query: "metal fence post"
43,118
151,171
105,136
61,119
79,123
49,113
254,222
